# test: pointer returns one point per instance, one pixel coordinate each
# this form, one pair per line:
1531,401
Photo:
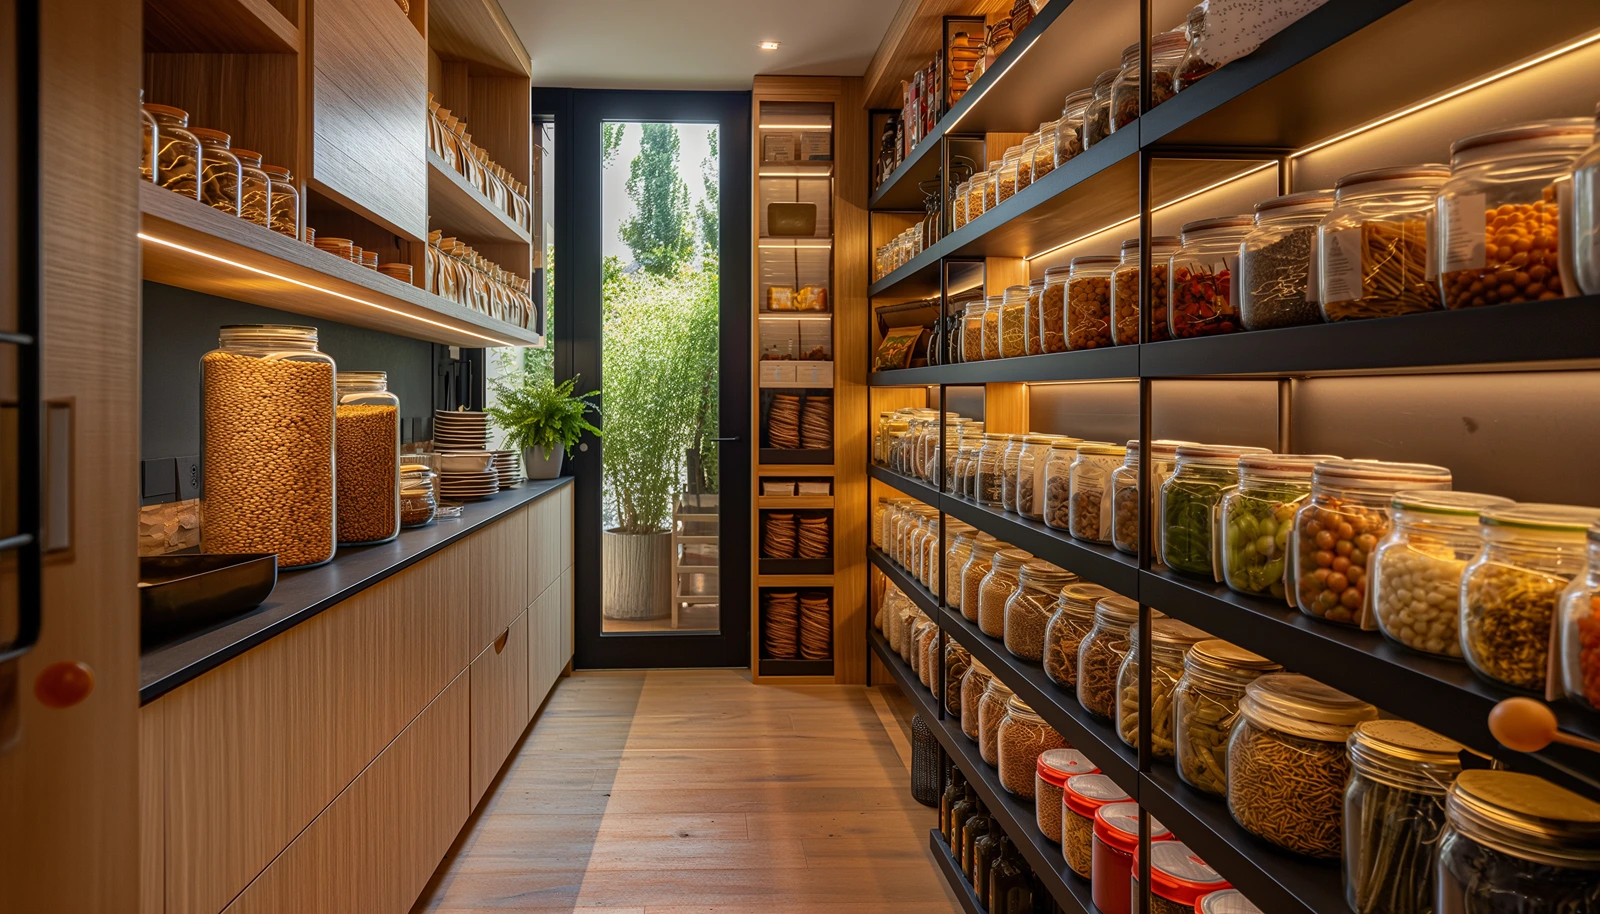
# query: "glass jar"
1227,901
977,198
1116,838
991,185
1014,322
988,481
1194,65
1044,152
1257,518
1100,655
997,588
1125,491
1166,53
1394,815
1498,219
1034,344
909,647
973,683
1058,482
1090,492
991,708
1509,591
367,435
1023,737
1277,262
1189,501
1031,462
284,217
1373,258
973,573
1010,461
1069,130
151,145
1515,839
972,331
255,189
1012,885
177,157
1416,568
1170,640
1579,638
221,175
1583,221
418,505
1125,290
1081,798
955,556
1052,310
1200,286
1025,157
1215,674
1088,317
1178,878
1097,116
1069,624
1049,781
1287,766
1337,528
267,439
1028,609
932,656
992,348
958,205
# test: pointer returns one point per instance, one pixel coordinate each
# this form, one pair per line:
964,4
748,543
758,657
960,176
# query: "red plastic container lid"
1117,824
1057,765
1178,874
1085,793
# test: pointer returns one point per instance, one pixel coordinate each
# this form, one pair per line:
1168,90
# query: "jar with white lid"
1579,639
177,153
1090,490
1055,766
1088,307
1010,460
1034,342
1028,609
974,571
1081,798
220,172
1068,626
1206,703
1053,309
1373,248
1031,462
1125,290
1510,590
1581,241
1014,322
1069,129
1178,878
1170,640
367,435
1277,262
1100,655
1498,218
996,589
1125,491
1021,738
1200,277
973,683
1097,116
1257,518
1518,839
1189,501
991,709
255,189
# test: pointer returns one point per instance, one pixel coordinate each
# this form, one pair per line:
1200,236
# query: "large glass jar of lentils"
1509,591
1580,631
1058,483
1088,320
1498,218
1200,277
220,172
988,479
1178,878
1014,322
1372,248
1023,737
1125,290
996,589
1287,765
1100,655
991,708
1068,626
1052,309
367,439
1069,130
1170,640
1125,491
177,153
1032,459
973,572
1277,262
1049,781
1215,675
973,683
1097,116
1189,500
267,439
1257,518
1034,343
1516,842
1090,493
1081,798
957,660
1339,526
1028,610
1010,460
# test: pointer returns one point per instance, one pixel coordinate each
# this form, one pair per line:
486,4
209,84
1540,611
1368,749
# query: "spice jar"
1058,483
1014,322
220,172
1090,492
1010,461
1339,525
1125,290
285,214
1287,765
957,660
1116,838
1515,842
992,348
1068,625
1125,490
972,331
1028,610
367,435
989,479
1100,655
177,156
1031,479
1215,674
1189,500
1580,631
267,409
1170,640
1394,815
1178,878
1584,220
1081,798
1498,218
1277,262
1373,258
1033,345
1227,901
1416,568
1097,116
1069,130
991,708
255,189
1201,271
1052,310
151,145
1257,518
996,590
1167,51
1510,589
973,573
973,684
1088,319
1023,737
1049,781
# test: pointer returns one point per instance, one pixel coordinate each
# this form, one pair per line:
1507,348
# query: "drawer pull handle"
500,642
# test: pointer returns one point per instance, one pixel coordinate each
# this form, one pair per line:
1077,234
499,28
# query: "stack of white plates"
505,463
460,430
464,486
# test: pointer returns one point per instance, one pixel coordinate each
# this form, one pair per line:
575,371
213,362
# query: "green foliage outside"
658,233
537,412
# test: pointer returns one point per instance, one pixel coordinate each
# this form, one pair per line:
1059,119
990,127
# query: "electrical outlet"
188,470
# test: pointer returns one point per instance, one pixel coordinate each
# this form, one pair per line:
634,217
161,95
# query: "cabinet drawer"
499,703
544,645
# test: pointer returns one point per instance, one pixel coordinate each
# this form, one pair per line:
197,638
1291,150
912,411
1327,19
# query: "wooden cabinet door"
499,703
548,537
502,576
544,644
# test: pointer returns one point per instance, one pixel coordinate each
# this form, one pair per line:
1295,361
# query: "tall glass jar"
972,331
1498,219
1277,262
1337,528
1091,490
1515,839
1035,343
1031,462
1049,783
1097,116
1200,286
267,438
996,590
1125,89
992,347
1044,152
1189,501
1584,219
1023,737
1007,178
955,556
1394,815
1372,248
1088,318
1068,626
957,660
1081,798
1014,322
221,176
1167,51
1257,518
1069,130
149,133
1010,461
285,215
972,575
1510,590
177,157
1169,641
991,185
1100,655
1125,290
255,189
991,708
1579,639
1028,609
1058,483
977,198
932,656
973,684
1052,310
1125,491
1029,150
1215,674
991,466
926,634
958,206
367,433
1416,568
1287,766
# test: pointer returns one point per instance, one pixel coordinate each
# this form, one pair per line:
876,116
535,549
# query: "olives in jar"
1257,518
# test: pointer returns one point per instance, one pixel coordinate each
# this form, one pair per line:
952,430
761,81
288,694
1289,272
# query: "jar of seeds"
1068,626
1277,262
1215,675
1049,781
1028,610
996,589
991,708
1100,655
367,435
1081,798
973,683
1169,641
1023,737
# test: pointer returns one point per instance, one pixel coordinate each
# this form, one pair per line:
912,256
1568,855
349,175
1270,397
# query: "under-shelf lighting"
794,316
306,285
820,174
797,246
992,83
794,126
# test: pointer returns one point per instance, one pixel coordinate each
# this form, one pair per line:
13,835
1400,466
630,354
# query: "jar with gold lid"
1068,625
1021,738
255,188
996,590
1516,836
177,156
221,176
1215,675
991,709
1028,609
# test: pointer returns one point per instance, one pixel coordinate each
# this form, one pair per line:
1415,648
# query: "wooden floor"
696,792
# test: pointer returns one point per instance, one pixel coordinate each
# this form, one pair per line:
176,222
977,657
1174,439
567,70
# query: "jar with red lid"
1116,838
1088,317
1125,290
1081,797
1200,284
220,172
1053,769
1178,878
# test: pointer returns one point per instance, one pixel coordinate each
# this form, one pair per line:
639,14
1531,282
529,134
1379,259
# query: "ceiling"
695,44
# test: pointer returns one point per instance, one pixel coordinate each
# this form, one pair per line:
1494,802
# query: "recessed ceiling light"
768,46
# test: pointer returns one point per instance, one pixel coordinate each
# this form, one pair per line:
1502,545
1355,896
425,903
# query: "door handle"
734,438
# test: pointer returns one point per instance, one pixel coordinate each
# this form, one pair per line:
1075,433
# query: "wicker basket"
926,763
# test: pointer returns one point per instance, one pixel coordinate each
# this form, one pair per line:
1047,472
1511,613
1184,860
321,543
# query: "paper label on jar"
1341,265
1465,230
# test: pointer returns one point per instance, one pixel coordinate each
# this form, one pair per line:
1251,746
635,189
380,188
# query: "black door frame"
578,114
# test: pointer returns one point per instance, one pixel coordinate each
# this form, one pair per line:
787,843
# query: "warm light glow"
795,126
1026,48
804,247
305,285
798,174
768,45
795,316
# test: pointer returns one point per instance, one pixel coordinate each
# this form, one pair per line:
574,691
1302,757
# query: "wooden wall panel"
852,344
499,703
253,97
500,115
152,809
567,619
1005,408
1000,272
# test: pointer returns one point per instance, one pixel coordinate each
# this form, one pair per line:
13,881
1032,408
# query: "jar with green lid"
1518,843
1125,290
1256,518
1049,784
1028,610
1097,116
1022,737
1053,309
973,683
988,480
1014,322
1287,765
1178,878
1034,342
1090,491
1125,491
1394,815
1100,655
1088,309
1031,463
1579,638
1069,624
177,151
1416,568
991,708
992,348
1069,130
972,575
1170,640
1081,798
1277,262
1509,591
1215,674
1010,459
996,589
960,549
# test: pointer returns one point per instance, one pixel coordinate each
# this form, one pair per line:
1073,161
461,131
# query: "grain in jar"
177,152
1287,765
1081,798
1050,779
1170,640
1088,311
1579,640
1030,150
1257,518
1052,310
367,435
1125,290
1189,500
1008,179
925,647
1100,655
992,348
1200,277
1021,738
1069,129
1034,345
957,660
1373,258
973,683
1277,262
932,660
991,185
960,550
1090,490
1010,459
1206,703
1014,322
991,708
1028,609
972,575
976,200
1517,844
972,331
958,207
996,590
1178,878
1068,625
1116,837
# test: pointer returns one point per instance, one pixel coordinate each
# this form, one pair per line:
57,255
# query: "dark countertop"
302,594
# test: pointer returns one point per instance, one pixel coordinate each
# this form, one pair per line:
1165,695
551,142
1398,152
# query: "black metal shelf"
1101,564
1110,363
915,488
965,896
911,587
819,567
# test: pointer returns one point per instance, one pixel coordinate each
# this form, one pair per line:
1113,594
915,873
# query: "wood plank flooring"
696,792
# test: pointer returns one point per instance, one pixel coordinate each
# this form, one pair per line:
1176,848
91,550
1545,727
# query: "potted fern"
543,420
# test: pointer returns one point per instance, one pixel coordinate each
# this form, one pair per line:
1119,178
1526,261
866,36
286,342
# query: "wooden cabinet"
545,661
501,581
549,540
499,703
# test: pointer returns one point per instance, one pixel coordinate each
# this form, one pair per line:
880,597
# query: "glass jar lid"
1130,55
1526,816
1160,449
1402,754
178,114
1426,176
1011,558
1171,633
1055,766
1016,706
1566,521
1217,654
1227,901
1102,83
1442,506
1158,243
1079,598
1301,706
1214,455
1093,261
1178,874
1280,466
1578,130
978,669
373,380
1016,295
1102,449
277,334
1116,609
1117,824
1057,273
1039,439
1202,226
984,549
1046,574
1379,474
1001,691
248,157
209,136
278,172
1075,104
1305,201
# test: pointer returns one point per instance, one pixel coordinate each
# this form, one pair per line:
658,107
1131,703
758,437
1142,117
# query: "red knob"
63,684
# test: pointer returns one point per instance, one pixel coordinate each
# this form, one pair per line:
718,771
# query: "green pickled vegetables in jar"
1189,500
1257,518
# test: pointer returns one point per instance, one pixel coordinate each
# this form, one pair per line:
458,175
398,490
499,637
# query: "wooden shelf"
218,26
795,580
460,210
477,32
192,246
793,502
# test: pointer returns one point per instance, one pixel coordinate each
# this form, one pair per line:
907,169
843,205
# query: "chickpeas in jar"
1088,311
1125,291
1169,641
1028,610
996,590
1052,310
1022,737
1068,626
